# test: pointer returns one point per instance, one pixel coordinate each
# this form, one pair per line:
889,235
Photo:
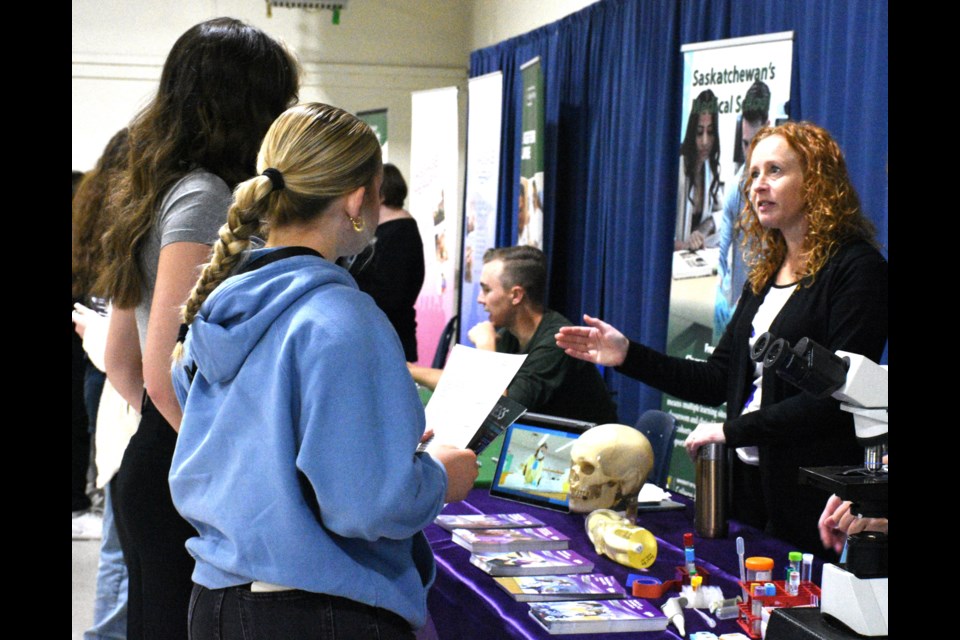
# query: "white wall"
494,21
381,51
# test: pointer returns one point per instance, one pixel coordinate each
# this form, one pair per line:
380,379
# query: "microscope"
853,592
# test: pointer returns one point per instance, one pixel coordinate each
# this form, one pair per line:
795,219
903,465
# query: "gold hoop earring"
358,223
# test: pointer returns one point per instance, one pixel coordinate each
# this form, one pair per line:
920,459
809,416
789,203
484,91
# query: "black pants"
236,613
747,505
152,533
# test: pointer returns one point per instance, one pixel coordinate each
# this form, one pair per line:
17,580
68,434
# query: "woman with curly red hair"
815,272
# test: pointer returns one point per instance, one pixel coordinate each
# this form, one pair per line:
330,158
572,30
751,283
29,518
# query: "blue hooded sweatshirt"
295,460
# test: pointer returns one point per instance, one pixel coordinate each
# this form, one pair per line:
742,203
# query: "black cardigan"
394,278
845,307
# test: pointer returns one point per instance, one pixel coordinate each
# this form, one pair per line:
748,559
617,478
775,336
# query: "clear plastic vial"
793,584
794,558
806,569
690,560
756,604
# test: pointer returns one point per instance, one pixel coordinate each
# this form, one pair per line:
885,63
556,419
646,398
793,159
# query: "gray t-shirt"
193,210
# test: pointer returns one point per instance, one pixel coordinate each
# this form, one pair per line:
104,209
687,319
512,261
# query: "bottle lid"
795,556
770,589
759,563
688,539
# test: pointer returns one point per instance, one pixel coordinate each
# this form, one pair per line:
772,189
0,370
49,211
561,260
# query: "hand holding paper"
471,383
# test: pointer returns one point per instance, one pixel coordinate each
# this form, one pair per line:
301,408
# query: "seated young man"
512,289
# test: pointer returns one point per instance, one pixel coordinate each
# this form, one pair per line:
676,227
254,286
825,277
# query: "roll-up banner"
730,89
434,203
529,222
484,108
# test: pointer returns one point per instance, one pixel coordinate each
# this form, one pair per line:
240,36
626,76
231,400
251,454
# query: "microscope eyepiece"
808,365
759,348
778,355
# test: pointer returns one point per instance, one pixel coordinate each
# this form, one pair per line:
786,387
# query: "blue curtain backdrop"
613,77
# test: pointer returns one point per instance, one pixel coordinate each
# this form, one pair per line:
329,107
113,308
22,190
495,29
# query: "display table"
466,604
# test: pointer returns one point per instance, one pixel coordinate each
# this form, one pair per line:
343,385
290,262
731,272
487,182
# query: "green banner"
377,119
530,202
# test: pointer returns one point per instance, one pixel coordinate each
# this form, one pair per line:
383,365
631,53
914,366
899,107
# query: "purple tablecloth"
465,604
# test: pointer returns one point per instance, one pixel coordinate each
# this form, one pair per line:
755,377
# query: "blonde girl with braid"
296,460
222,85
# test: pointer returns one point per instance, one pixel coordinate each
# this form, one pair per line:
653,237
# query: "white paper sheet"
650,492
472,381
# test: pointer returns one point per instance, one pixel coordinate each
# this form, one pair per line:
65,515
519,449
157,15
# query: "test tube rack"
807,594
684,576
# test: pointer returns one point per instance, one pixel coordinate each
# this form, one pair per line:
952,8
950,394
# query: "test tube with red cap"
689,556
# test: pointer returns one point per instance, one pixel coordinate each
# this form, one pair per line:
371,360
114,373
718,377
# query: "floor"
85,556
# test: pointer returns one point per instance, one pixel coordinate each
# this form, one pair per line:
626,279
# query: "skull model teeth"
610,461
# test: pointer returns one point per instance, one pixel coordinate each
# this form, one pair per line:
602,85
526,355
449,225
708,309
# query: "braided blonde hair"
322,153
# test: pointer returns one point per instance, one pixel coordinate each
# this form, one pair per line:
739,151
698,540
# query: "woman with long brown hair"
92,215
222,85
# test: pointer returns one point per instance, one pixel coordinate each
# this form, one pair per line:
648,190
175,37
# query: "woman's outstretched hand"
598,342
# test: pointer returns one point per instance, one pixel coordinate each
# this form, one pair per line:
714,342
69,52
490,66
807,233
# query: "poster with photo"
484,108
731,88
434,158
530,202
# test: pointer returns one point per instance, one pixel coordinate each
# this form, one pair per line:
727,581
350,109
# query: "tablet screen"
534,463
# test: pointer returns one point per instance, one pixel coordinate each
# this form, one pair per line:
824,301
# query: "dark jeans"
236,613
80,449
152,533
93,380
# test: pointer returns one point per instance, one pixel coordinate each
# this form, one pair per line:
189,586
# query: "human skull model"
610,462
